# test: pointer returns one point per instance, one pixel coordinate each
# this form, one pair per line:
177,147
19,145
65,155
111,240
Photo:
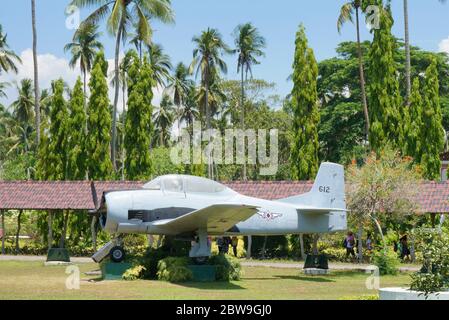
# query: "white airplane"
194,208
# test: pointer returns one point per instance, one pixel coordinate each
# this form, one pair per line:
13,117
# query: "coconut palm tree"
163,120
3,86
180,86
160,64
84,47
37,109
207,60
249,44
346,14
189,110
122,14
8,58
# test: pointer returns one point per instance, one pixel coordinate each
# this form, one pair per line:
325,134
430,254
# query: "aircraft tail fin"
328,190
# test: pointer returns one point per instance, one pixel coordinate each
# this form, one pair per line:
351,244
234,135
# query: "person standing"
350,243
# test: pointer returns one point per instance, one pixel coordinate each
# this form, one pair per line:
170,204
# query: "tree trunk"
264,246
93,231
379,228
19,225
64,229
123,133
407,55
301,246
248,249
117,85
50,229
36,77
362,77
360,245
242,119
209,164
4,232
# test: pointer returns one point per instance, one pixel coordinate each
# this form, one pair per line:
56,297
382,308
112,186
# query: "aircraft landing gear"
200,251
117,254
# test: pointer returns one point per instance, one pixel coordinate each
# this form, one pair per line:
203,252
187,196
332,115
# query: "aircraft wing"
217,219
321,210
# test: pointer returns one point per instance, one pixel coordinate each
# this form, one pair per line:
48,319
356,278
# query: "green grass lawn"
33,280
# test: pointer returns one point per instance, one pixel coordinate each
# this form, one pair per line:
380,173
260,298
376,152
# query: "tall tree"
163,120
432,132
346,14
8,59
385,101
139,127
180,85
121,15
408,78
58,134
99,127
37,109
249,44
76,144
83,48
160,65
304,151
413,138
207,60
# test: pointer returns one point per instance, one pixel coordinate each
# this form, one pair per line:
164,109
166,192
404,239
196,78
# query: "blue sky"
277,21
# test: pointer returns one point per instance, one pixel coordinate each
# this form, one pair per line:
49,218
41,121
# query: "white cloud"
52,68
443,46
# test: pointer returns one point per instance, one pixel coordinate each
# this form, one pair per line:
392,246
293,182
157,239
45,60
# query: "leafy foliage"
99,126
139,127
434,275
387,261
174,269
304,151
228,268
133,273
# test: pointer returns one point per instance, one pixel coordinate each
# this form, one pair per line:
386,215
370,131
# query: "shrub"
134,273
228,268
434,275
174,269
387,262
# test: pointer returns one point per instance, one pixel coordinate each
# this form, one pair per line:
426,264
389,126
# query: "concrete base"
406,294
57,263
114,271
316,271
203,273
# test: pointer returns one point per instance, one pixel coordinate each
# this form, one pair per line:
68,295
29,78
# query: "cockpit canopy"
187,184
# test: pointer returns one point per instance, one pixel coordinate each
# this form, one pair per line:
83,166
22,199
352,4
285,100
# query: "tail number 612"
325,189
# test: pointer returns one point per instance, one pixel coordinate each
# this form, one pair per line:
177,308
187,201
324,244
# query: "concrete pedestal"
203,273
114,271
316,271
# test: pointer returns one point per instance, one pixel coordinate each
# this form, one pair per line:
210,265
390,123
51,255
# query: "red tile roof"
41,195
79,195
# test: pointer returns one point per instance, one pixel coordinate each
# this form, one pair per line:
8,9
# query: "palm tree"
207,61
36,76
249,44
8,58
3,86
189,110
160,64
23,113
163,119
84,47
346,13
180,86
121,15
